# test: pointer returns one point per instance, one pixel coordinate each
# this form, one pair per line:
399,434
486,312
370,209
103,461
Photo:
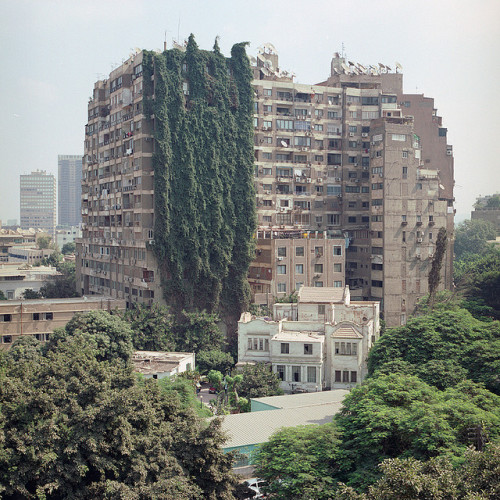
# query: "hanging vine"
203,163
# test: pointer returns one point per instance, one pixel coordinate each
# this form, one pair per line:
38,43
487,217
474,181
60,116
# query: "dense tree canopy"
398,415
259,381
471,237
77,424
68,248
450,342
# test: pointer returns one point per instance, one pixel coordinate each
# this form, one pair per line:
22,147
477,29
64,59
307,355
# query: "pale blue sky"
54,50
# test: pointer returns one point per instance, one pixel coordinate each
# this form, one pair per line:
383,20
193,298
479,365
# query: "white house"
160,364
320,342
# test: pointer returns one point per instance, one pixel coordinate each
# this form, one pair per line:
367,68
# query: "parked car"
212,390
256,485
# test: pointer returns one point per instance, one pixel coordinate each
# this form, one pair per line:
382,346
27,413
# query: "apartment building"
327,165
69,192
340,157
113,256
38,201
486,208
39,318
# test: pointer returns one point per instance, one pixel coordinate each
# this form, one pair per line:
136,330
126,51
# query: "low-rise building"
39,317
320,342
161,364
16,279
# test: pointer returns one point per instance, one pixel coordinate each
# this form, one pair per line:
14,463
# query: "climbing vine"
201,105
437,263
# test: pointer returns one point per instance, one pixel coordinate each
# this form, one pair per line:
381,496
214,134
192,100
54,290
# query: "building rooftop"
320,295
247,429
74,300
151,362
347,332
292,336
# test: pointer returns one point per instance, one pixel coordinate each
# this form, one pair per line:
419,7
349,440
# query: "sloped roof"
320,295
347,332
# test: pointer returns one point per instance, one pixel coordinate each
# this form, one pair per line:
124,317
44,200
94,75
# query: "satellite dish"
388,68
398,66
381,65
351,63
268,64
269,46
284,144
355,70
346,68
337,72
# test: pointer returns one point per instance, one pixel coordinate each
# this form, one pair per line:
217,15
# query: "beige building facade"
321,342
38,318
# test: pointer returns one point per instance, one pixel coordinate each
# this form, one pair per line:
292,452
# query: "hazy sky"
54,50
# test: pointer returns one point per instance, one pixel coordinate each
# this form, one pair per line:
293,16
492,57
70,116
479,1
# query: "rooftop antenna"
343,50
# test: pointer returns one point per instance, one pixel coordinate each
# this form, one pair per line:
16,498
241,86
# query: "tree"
68,248
29,294
152,327
493,201
471,237
259,381
109,335
398,416
77,427
478,477
214,359
61,286
300,462
2,296
434,277
198,331
450,339
43,242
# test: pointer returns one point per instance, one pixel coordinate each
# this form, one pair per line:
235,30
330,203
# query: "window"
346,348
398,137
7,339
345,376
318,284
318,251
354,377
267,156
299,268
49,316
405,172
337,284
281,287
296,373
353,128
299,251
318,268
338,375
282,269
267,171
311,374
419,185
405,154
337,268
6,317
377,283
282,250
351,219
337,250
321,309
268,92
298,284
36,316
280,370
377,203
308,349
285,348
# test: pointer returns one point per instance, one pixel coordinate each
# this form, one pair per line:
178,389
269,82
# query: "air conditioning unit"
449,153
351,134
308,179
280,258
355,164
418,257
338,179
419,240
431,255
319,179
364,134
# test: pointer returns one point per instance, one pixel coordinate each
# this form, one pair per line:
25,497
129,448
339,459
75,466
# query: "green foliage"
76,427
493,201
477,277
54,259
62,286
300,462
214,359
215,377
259,381
471,237
2,296
291,298
152,327
449,342
68,248
260,310
109,335
43,242
198,331
398,416
29,294
477,478
434,277
203,162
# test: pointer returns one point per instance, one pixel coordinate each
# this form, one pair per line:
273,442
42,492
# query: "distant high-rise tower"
38,201
69,190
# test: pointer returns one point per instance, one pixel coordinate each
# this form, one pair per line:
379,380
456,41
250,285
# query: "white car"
256,485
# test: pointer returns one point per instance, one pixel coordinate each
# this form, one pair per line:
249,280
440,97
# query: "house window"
337,250
405,154
345,376
296,373
282,269
285,348
338,376
249,344
6,317
354,377
299,251
318,268
36,316
337,268
7,339
311,374
299,268
281,287
321,309
282,251
337,284
280,370
318,251
308,348
49,316
318,284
